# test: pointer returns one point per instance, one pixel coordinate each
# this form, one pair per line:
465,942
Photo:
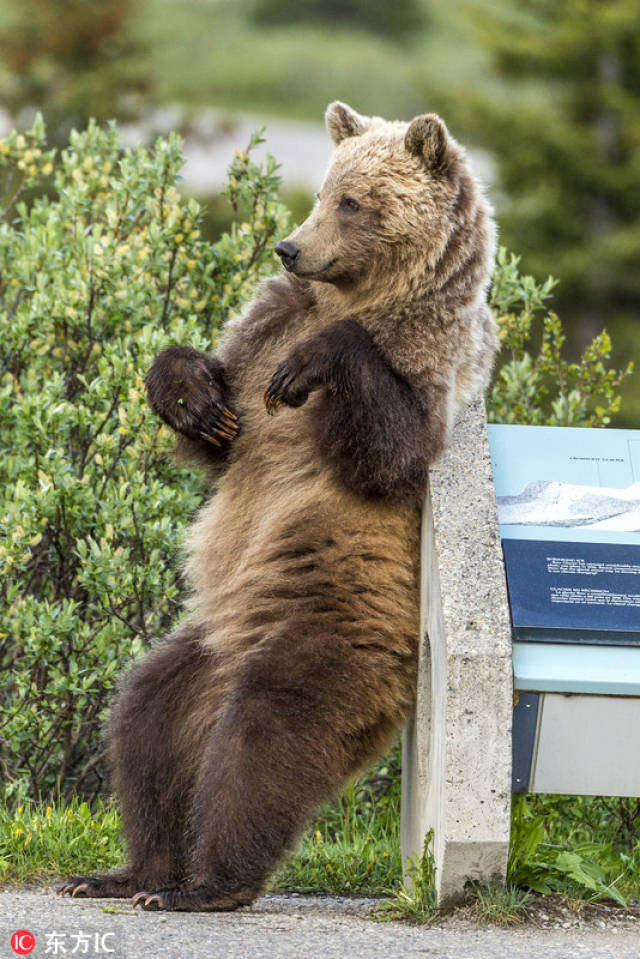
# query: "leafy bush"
547,859
545,389
97,276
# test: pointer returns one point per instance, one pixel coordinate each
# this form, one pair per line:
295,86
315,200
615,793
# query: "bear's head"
396,198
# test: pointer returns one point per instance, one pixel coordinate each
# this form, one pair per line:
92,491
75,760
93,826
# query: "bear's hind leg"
154,743
299,722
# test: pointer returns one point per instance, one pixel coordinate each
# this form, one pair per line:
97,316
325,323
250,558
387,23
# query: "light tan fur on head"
402,238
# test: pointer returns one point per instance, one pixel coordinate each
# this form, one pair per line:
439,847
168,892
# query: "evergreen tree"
564,127
393,21
569,151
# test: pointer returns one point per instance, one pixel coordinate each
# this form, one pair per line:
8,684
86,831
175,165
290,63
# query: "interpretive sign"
569,512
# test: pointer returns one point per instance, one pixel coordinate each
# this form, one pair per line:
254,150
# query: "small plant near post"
501,905
418,900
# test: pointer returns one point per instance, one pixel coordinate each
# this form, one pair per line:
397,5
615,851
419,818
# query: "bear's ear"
343,122
427,138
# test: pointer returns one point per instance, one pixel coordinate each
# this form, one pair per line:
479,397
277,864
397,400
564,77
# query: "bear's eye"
347,203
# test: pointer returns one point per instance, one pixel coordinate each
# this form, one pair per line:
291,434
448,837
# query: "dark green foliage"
569,156
390,20
574,845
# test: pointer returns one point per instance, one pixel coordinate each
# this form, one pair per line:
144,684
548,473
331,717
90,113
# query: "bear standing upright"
297,663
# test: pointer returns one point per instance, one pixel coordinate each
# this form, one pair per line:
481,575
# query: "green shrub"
545,389
97,276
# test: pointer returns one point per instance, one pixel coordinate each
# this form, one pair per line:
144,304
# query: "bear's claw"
116,885
67,888
151,901
210,439
271,402
73,889
222,425
280,389
196,899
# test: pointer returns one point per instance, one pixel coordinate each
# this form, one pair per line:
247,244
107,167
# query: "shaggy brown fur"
298,663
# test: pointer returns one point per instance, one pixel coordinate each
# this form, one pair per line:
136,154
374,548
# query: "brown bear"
297,663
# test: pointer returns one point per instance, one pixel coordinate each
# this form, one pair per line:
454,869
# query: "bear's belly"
282,542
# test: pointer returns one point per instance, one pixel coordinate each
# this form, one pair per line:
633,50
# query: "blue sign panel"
569,512
569,587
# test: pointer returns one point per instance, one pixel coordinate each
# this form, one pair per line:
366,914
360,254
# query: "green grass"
39,842
353,849
500,905
44,842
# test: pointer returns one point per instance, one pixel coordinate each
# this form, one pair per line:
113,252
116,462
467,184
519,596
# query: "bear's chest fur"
281,529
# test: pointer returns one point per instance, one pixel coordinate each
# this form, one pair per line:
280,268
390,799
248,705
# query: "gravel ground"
297,927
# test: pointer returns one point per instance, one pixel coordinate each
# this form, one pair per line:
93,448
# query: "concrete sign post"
457,746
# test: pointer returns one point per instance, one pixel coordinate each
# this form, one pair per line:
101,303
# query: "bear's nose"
288,253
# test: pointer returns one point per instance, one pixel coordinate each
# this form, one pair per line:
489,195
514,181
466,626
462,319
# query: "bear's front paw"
185,391
294,379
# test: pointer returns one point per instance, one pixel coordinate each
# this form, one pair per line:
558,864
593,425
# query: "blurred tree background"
73,59
396,19
549,91
566,138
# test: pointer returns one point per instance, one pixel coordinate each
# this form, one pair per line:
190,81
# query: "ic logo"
23,942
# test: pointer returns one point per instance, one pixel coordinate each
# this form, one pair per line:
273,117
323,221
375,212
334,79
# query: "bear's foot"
195,899
108,885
